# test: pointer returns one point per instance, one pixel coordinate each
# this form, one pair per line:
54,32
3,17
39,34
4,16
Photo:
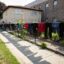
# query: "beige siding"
13,15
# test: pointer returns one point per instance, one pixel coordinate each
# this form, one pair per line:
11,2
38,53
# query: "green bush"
55,36
62,42
24,32
43,45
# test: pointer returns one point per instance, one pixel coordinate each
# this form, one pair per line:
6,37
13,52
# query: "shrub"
62,43
43,45
55,36
24,32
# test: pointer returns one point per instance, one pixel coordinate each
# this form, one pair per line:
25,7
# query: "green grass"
5,56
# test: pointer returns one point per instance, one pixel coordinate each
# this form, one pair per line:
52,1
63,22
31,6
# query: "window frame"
55,2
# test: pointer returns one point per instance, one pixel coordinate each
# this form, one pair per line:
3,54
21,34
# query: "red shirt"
41,27
26,26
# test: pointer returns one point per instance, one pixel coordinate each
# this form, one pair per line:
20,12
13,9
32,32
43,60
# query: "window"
47,5
18,11
55,2
40,6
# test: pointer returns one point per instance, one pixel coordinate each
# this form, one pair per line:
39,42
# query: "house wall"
51,11
15,15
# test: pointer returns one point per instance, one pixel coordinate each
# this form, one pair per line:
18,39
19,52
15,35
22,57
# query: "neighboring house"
52,8
15,14
34,3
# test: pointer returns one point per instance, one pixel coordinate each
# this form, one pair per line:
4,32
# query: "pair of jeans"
48,30
61,32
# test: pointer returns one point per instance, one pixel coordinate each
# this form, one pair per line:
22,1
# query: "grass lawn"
5,56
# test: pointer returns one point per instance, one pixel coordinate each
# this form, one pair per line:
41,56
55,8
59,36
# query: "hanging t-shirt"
41,27
18,26
26,26
55,25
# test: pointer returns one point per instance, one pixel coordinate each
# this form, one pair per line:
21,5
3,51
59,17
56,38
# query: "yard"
5,56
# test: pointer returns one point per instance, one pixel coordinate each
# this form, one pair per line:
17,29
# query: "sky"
17,2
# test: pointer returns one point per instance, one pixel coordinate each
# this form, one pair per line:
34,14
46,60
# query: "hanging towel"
41,27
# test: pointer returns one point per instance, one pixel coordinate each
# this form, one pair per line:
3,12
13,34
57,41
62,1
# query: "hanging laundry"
26,26
61,28
41,27
30,29
33,28
18,26
48,30
55,25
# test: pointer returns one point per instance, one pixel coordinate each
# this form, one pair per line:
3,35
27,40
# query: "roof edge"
20,7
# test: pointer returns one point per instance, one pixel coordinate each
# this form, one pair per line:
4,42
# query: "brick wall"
52,11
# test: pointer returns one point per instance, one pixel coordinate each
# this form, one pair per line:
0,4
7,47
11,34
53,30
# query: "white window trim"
55,2
47,5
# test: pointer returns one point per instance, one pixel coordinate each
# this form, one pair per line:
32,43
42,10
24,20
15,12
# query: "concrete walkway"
27,53
50,45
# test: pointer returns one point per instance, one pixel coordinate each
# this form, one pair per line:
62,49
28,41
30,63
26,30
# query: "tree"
2,7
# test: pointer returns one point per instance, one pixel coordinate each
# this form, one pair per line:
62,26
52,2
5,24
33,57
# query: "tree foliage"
2,7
